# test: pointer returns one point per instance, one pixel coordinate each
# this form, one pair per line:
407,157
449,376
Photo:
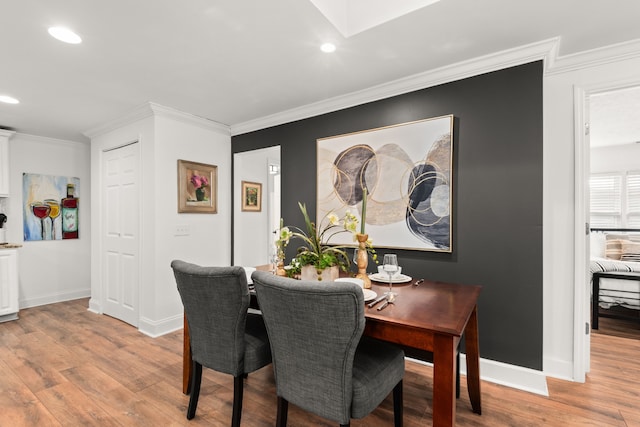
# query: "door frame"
582,294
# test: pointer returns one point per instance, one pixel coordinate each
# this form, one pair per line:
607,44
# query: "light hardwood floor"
61,365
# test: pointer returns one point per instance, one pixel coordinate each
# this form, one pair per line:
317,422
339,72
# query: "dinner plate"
369,294
400,278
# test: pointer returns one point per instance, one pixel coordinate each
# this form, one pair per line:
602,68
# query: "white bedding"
625,293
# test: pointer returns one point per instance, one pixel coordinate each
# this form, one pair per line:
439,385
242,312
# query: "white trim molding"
149,109
591,58
156,328
48,140
513,376
54,298
458,71
546,50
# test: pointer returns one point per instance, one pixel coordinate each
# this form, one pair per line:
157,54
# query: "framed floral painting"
197,187
251,196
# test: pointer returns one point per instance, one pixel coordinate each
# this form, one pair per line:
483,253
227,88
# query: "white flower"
285,234
333,219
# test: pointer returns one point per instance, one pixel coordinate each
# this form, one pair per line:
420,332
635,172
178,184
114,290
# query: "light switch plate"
182,230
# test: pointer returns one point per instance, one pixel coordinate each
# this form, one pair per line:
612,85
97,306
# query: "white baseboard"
95,306
54,298
560,369
512,376
156,328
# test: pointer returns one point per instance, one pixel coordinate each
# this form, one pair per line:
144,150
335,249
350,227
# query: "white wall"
209,242
55,270
618,158
616,66
166,135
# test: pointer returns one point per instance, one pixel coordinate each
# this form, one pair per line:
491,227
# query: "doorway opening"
607,156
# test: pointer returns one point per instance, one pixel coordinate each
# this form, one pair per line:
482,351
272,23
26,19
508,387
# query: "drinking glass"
355,258
54,212
273,260
390,266
41,210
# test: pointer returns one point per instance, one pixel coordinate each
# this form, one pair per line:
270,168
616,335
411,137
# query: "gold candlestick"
363,260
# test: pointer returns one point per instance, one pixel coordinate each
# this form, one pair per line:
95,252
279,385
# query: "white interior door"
121,233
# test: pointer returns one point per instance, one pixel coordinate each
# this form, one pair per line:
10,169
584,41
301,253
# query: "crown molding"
136,114
162,111
48,140
595,57
150,109
7,133
492,62
547,50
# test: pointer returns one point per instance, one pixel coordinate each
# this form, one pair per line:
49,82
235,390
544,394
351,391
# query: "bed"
615,261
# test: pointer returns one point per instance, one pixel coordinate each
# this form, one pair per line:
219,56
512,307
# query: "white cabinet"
8,284
4,161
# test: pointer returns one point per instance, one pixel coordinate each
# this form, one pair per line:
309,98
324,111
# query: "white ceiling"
615,117
236,61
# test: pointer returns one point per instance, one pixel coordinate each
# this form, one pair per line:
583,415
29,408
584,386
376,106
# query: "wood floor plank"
71,407
18,405
126,407
63,365
30,362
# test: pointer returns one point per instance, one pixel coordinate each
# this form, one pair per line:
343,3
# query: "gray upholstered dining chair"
224,336
321,362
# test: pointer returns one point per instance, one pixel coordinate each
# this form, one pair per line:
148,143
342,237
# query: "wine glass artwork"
41,210
390,266
54,212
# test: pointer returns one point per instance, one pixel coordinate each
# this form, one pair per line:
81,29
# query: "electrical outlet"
181,230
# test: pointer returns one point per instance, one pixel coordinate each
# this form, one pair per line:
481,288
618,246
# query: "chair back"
314,329
216,300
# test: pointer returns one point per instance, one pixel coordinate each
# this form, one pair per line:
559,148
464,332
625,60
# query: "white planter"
309,272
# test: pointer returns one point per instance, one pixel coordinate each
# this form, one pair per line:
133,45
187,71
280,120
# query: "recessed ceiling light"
65,35
8,99
328,47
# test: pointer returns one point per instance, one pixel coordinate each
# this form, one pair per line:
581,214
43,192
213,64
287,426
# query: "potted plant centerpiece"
316,258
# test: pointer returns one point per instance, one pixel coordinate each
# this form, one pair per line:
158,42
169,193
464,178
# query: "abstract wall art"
406,170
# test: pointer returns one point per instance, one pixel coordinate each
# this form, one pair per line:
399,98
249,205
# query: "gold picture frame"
251,196
197,187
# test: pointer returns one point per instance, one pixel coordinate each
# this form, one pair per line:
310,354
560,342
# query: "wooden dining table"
433,317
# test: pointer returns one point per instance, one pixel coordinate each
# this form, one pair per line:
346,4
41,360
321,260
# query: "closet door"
121,233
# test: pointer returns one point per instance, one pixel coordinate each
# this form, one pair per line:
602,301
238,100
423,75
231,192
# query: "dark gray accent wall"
497,203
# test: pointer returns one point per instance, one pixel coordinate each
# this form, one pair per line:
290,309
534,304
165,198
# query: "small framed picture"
197,187
251,196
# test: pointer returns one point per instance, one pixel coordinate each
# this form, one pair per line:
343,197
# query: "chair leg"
238,391
283,409
398,405
458,375
196,379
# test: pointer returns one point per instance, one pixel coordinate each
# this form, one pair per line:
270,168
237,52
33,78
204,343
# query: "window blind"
633,199
606,200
